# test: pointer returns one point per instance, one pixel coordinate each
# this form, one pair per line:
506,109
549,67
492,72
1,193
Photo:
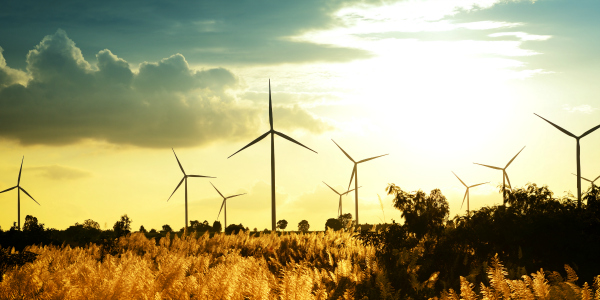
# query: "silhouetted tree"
123,226
152,231
90,224
303,226
346,220
166,228
334,224
32,225
234,229
217,227
282,224
142,229
422,213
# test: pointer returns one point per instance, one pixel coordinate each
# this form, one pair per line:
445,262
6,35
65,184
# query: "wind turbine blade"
182,179
235,195
584,177
343,151
461,205
596,179
292,140
478,184
178,162
352,176
222,204
350,191
371,158
24,191
489,166
217,190
200,176
513,158
270,108
331,188
459,179
559,128
589,131
19,180
252,143
6,190
507,180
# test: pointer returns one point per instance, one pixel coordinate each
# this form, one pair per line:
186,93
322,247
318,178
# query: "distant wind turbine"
590,181
272,132
224,204
355,177
577,138
504,175
19,189
342,194
185,177
467,192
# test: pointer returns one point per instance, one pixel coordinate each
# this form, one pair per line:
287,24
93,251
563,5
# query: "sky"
96,94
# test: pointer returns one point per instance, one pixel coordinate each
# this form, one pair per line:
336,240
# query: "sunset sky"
95,94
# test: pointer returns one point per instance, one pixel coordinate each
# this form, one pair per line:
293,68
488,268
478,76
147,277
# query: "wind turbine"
185,177
272,132
355,176
342,194
590,181
467,192
224,204
504,175
577,138
19,189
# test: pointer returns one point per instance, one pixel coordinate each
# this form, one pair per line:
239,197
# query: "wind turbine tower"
185,177
355,177
272,132
19,189
577,138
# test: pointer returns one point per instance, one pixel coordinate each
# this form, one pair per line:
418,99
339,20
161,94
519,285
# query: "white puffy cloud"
163,104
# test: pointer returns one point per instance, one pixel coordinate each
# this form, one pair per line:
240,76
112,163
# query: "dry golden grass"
296,266
534,287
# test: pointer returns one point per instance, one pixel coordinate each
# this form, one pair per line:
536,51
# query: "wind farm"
95,94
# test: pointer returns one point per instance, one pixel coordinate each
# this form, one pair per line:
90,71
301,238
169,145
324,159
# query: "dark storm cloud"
164,104
206,31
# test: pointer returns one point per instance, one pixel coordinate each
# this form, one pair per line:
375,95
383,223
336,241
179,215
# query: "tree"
142,229
234,229
123,226
422,213
303,226
152,230
346,220
90,224
282,224
166,228
334,224
32,225
217,227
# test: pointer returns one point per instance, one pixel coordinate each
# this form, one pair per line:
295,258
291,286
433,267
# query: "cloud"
584,108
57,172
9,76
163,104
523,36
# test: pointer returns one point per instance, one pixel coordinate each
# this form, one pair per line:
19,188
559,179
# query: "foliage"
142,229
346,220
166,228
90,224
123,226
234,229
217,227
334,224
422,213
196,226
282,224
303,226
32,225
